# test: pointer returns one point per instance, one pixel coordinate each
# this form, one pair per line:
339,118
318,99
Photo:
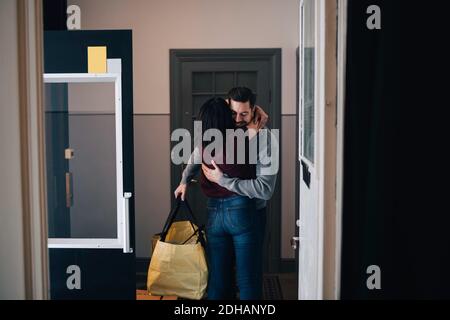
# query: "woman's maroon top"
234,170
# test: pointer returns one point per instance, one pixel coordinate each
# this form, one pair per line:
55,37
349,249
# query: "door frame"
32,149
271,55
340,124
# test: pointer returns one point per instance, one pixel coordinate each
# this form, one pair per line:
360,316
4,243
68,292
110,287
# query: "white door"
311,126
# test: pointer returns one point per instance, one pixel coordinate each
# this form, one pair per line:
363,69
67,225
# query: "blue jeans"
234,235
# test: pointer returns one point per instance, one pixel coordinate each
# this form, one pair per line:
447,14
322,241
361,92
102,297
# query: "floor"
289,285
279,286
144,295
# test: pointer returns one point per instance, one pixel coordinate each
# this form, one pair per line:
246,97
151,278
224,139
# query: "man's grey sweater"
261,188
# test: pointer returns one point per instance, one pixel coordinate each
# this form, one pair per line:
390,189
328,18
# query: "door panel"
103,274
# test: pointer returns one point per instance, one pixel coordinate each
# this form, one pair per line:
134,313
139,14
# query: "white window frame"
319,83
123,231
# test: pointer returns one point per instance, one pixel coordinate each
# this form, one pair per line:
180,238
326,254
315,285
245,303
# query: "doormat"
272,287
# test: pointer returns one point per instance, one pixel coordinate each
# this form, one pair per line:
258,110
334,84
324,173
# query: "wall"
161,25
11,238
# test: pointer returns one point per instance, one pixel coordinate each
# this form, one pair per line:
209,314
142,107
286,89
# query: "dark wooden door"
196,77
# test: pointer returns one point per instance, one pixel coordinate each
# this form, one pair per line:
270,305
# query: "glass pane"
224,82
308,79
202,82
247,79
81,160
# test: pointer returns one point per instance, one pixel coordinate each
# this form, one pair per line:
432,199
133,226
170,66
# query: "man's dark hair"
242,94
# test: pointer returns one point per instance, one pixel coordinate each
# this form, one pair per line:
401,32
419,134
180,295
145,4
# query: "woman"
233,227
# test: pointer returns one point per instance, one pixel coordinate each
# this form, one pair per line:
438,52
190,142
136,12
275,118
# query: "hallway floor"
289,285
279,286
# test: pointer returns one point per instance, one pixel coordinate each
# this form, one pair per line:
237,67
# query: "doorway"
199,74
275,262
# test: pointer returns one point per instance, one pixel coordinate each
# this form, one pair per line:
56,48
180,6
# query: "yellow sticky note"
96,59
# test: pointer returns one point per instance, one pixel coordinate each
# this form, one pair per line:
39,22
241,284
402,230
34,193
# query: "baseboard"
142,265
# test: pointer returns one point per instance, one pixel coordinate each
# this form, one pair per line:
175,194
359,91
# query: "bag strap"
173,214
200,238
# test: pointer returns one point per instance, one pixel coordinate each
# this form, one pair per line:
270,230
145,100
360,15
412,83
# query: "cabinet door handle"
69,193
126,224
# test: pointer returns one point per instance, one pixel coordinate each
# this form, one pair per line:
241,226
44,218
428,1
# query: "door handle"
69,193
295,242
126,224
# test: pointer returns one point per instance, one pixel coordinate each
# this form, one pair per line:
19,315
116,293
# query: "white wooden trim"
30,38
341,57
300,80
80,77
122,227
119,161
300,129
64,243
320,130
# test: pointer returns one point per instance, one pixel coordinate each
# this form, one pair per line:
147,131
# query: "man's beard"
241,124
